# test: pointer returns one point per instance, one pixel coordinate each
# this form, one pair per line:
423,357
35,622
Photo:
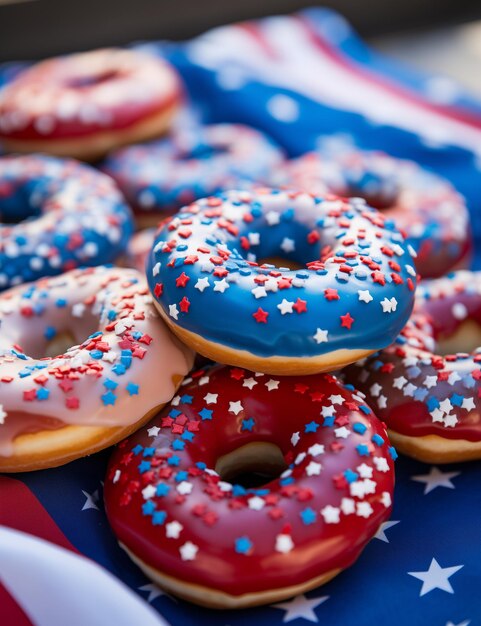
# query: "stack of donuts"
263,470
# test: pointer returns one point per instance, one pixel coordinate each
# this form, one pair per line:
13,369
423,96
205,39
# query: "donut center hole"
281,262
253,465
466,338
202,151
92,80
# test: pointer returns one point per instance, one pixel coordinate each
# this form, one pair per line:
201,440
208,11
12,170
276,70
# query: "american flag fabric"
298,78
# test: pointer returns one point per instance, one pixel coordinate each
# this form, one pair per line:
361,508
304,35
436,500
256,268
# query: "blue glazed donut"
191,163
353,293
56,215
431,213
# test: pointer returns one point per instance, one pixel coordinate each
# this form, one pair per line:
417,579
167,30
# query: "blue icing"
223,312
92,223
192,163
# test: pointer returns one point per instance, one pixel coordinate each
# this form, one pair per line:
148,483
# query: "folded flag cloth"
298,78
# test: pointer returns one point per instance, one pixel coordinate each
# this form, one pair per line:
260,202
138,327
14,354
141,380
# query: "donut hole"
202,151
19,207
253,465
92,80
466,338
379,191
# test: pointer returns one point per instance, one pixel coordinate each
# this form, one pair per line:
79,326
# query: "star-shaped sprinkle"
188,551
320,336
285,306
272,384
202,283
364,295
211,398
153,431
235,407
173,529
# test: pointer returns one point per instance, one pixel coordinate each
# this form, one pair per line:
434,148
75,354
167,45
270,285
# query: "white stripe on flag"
299,65
56,587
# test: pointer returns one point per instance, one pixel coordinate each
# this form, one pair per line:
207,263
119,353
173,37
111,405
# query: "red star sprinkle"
346,321
331,294
184,305
260,316
300,306
182,280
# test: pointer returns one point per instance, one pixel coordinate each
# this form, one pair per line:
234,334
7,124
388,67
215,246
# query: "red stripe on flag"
360,70
20,509
11,612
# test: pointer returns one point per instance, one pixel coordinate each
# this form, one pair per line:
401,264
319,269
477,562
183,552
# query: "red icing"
87,93
236,540
416,391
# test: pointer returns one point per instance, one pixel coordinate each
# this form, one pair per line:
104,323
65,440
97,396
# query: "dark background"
37,28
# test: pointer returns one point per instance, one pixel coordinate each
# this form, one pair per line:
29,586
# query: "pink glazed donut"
54,409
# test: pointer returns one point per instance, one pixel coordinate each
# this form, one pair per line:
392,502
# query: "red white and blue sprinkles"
355,291
169,505
56,215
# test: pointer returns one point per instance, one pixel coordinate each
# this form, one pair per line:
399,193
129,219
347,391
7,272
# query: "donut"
248,489
426,386
84,361
426,207
352,293
56,215
84,105
138,249
160,177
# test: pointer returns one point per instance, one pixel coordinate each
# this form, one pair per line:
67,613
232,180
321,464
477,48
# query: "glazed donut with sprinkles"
426,386
230,498
54,409
191,163
210,280
84,105
56,215
431,213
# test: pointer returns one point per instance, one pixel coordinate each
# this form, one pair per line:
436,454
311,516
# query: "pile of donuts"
261,344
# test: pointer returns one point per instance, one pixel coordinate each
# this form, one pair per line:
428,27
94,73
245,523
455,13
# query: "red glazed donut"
427,385
121,367
84,105
178,499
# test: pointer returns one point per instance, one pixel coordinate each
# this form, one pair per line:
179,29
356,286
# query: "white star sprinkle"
313,469
342,432
331,514
174,311
259,292
272,218
173,529
288,245
188,551
184,487
202,283
249,383
321,336
256,503
285,306
91,500
284,543
221,285
211,398
235,407
365,295
272,384
316,449
153,431
295,438
148,492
